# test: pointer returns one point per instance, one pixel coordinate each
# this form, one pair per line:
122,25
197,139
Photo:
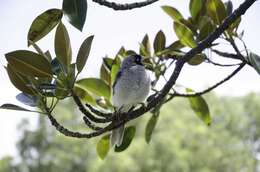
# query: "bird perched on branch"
131,87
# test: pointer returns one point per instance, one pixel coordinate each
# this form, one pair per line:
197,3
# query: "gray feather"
117,136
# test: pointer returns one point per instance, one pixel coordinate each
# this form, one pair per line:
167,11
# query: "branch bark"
126,6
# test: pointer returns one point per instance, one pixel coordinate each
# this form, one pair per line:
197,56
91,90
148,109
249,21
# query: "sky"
112,29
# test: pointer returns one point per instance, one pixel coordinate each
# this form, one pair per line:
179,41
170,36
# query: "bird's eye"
138,59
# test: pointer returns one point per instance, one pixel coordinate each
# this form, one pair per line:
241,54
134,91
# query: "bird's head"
132,60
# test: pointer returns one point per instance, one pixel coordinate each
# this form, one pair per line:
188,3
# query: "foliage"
46,79
180,142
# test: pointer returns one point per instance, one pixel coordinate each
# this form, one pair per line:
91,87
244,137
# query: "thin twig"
126,6
176,94
225,54
87,113
221,65
99,113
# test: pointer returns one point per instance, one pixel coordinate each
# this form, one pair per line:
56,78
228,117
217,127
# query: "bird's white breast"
132,87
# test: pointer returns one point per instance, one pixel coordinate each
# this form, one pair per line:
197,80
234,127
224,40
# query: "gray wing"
118,76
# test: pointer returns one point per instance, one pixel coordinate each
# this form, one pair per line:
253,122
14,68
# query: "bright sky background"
111,29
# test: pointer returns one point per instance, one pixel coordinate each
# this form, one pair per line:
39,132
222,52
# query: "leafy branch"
44,80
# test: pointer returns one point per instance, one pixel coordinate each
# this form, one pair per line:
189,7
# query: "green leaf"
172,12
184,34
105,74
9,106
43,24
19,81
206,26
177,45
145,47
83,53
197,59
195,7
84,95
216,10
29,63
159,42
71,75
75,11
108,62
254,60
129,134
61,90
62,45
150,127
94,85
115,68
103,146
200,107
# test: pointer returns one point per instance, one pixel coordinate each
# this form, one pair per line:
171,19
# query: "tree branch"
221,65
176,94
87,113
225,54
158,98
126,6
98,113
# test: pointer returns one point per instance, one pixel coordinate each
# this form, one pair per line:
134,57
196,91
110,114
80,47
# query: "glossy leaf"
195,7
150,128
184,34
200,107
103,146
19,81
61,90
216,10
129,134
145,47
84,53
197,59
29,63
105,74
75,11
71,75
62,45
108,62
177,45
28,100
206,27
159,42
13,107
254,60
115,68
95,86
84,95
43,24
172,12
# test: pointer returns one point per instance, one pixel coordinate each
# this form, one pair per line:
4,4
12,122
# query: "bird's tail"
117,136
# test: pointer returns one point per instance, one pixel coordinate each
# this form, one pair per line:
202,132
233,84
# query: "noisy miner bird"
131,87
